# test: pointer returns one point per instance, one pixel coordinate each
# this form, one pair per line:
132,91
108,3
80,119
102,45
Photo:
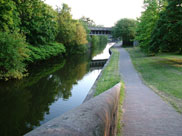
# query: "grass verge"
110,75
163,73
120,111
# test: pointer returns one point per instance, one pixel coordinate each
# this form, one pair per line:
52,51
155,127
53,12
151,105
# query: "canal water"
51,89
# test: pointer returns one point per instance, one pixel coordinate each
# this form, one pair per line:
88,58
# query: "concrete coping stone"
92,118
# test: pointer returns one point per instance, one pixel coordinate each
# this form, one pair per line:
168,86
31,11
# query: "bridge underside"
98,63
100,31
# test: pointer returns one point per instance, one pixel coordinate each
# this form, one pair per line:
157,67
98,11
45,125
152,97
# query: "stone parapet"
96,117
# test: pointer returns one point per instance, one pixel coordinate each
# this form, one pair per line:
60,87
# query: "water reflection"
105,54
52,88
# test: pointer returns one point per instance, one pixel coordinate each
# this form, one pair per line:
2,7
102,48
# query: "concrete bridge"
98,63
100,31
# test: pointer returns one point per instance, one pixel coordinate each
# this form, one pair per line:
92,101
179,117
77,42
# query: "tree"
88,21
70,32
38,21
80,34
146,23
8,16
125,30
13,52
167,35
65,25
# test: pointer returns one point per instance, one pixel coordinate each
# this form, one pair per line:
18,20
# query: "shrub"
43,52
13,51
125,29
94,41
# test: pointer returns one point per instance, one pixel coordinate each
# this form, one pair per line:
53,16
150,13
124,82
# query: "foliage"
80,34
86,22
167,35
146,23
8,16
44,52
125,29
94,41
159,27
14,51
103,40
70,32
89,22
98,40
38,21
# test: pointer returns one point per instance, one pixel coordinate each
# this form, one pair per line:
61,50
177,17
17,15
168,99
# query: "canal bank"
99,114
51,89
112,72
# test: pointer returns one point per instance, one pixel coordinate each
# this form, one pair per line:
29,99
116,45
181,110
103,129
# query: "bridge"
97,64
100,31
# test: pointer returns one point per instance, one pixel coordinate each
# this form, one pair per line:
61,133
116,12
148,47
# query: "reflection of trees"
73,71
97,49
21,110
25,102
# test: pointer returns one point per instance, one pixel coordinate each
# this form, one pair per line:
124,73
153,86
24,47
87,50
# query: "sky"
103,12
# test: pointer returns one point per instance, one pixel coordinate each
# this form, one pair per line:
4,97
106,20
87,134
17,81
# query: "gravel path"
145,113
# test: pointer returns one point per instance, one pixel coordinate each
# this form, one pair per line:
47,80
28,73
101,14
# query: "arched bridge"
100,30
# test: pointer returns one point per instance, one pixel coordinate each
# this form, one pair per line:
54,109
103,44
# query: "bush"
94,41
70,32
125,29
98,40
45,51
13,52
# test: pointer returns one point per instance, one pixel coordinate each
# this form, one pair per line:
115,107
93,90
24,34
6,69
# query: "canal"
51,89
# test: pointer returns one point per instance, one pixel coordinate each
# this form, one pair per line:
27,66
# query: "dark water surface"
52,88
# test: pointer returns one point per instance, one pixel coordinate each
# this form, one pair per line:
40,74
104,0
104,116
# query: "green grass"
163,73
120,112
110,75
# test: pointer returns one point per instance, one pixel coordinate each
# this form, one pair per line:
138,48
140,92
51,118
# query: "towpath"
145,113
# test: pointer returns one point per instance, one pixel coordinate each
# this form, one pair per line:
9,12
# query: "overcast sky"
103,12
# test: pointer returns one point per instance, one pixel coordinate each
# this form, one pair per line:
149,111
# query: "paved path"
145,113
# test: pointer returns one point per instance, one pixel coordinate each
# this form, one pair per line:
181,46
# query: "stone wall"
95,117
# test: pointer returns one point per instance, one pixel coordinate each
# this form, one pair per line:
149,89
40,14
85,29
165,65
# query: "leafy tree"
8,16
38,21
167,35
94,41
13,52
70,32
147,22
80,34
89,22
125,30
86,23
65,25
